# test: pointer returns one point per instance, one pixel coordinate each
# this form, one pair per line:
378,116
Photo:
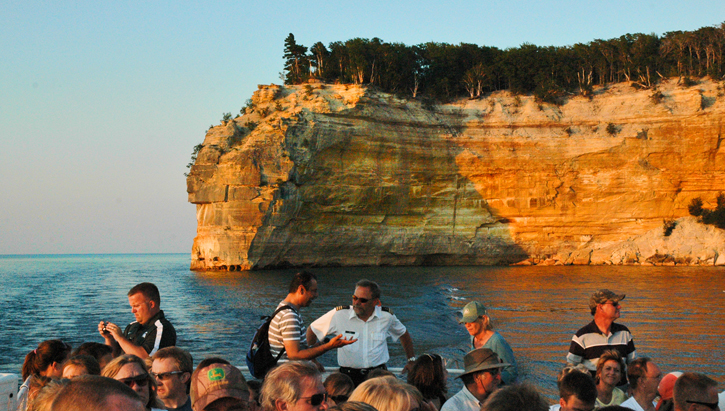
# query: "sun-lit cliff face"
345,175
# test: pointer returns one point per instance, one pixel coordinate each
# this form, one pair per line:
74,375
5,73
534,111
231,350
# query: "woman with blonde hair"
609,373
389,394
132,371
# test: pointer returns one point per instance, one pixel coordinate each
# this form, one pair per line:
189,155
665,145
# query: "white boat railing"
452,372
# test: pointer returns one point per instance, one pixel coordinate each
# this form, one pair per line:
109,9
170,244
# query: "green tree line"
446,71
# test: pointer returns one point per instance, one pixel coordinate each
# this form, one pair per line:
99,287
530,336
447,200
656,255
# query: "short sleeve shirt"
285,326
371,349
156,334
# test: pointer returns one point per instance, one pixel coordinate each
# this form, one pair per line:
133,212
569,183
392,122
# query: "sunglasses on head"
710,405
316,399
163,376
140,380
436,357
362,300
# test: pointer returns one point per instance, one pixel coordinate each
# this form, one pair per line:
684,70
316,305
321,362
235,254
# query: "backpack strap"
284,307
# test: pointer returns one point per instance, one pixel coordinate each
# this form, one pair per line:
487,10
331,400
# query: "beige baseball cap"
217,381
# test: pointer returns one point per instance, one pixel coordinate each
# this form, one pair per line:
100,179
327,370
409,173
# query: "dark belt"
361,371
358,375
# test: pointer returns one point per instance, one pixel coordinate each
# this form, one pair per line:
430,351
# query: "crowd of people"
141,368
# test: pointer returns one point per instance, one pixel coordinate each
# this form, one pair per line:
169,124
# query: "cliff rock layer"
345,175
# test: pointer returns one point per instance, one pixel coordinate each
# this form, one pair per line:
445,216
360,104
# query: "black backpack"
259,357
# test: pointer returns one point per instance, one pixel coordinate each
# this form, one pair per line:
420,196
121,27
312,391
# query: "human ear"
280,405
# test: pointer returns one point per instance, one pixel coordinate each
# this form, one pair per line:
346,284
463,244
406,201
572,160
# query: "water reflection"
674,313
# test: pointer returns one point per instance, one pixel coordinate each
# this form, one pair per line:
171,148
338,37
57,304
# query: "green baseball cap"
471,312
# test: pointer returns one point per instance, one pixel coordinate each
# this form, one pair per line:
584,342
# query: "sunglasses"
316,399
163,376
338,398
436,357
710,405
362,300
140,380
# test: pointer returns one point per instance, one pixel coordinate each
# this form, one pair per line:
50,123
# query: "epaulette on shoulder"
387,309
342,307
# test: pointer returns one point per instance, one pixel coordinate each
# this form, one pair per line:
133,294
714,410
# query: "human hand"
112,330
408,367
338,342
102,330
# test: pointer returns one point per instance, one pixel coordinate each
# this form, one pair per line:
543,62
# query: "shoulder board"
342,307
387,309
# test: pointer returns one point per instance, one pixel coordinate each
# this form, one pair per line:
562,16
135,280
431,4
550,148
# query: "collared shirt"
156,334
371,349
462,401
632,404
589,343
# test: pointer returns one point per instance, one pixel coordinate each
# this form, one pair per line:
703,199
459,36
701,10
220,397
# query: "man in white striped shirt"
150,332
285,330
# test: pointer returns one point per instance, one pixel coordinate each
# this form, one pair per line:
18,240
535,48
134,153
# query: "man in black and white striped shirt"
285,330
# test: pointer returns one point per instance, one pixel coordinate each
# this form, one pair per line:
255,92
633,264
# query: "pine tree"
296,61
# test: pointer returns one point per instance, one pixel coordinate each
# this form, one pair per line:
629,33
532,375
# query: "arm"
124,343
407,342
108,339
504,351
295,353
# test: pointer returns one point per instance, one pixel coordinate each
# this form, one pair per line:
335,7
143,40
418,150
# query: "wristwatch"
411,359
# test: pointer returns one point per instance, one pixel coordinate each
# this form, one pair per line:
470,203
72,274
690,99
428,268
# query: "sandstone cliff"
346,175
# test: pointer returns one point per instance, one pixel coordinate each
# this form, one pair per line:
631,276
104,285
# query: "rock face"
346,175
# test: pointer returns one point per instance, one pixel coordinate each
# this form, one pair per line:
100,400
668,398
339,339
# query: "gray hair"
285,381
372,285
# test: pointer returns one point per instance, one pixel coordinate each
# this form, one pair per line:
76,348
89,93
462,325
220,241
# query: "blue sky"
102,102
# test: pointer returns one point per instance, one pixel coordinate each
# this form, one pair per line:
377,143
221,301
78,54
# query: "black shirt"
156,334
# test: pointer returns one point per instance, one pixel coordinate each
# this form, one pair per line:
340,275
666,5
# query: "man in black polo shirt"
151,330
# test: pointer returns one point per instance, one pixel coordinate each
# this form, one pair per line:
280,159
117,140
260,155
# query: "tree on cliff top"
296,61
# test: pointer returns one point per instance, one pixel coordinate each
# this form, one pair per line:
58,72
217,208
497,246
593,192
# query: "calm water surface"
674,313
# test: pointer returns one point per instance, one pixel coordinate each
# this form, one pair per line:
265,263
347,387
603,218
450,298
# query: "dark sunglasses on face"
710,405
140,380
163,376
316,399
362,300
338,398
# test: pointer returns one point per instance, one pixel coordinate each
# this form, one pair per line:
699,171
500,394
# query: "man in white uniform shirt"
368,322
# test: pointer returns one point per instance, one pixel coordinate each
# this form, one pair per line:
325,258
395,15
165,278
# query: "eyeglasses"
362,300
140,380
710,405
163,376
338,398
614,303
316,399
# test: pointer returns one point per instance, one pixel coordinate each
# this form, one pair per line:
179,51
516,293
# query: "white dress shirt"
371,349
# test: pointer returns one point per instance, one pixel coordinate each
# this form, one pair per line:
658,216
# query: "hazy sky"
101,102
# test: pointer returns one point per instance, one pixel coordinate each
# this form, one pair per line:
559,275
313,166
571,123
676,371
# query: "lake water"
675,313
